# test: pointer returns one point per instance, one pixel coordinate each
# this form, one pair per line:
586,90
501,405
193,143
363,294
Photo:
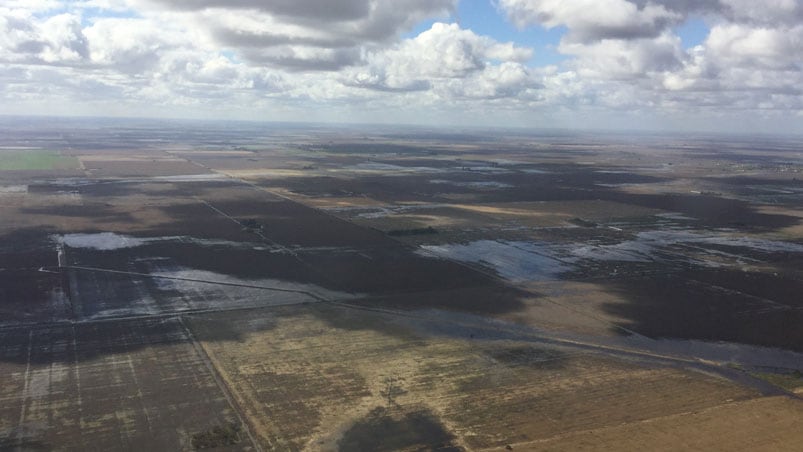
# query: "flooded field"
257,287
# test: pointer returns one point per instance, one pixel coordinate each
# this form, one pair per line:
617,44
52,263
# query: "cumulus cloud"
130,45
446,50
303,56
626,53
742,67
765,12
118,62
54,40
450,60
757,47
626,59
507,80
591,20
342,10
304,34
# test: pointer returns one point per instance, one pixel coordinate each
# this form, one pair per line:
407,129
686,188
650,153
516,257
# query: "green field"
17,160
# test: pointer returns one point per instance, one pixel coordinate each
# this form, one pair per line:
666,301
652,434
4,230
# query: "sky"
708,65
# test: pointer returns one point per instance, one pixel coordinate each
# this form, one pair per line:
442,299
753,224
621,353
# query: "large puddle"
13,189
472,184
109,241
646,246
515,261
389,168
103,241
519,261
264,291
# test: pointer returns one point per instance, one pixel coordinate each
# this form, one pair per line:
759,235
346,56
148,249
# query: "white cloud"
131,45
54,40
757,47
590,20
292,59
303,34
508,80
447,51
451,62
626,55
624,59
764,12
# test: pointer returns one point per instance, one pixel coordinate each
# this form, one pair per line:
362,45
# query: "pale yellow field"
305,376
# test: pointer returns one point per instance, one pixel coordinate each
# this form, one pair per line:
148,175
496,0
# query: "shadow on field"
98,213
713,305
488,299
712,211
27,248
388,430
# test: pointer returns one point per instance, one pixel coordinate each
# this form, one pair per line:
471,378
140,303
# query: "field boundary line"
221,384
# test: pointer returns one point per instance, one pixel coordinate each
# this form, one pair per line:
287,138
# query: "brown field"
307,377
769,424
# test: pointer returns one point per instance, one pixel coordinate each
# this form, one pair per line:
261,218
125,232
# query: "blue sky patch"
693,32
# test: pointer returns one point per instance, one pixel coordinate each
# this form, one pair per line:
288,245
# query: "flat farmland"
765,424
321,376
117,385
34,159
189,287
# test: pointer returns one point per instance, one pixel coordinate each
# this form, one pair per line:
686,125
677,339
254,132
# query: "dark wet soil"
561,183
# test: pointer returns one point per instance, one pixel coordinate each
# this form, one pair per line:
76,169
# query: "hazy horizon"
463,129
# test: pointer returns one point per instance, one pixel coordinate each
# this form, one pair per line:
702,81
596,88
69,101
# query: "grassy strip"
792,382
35,160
